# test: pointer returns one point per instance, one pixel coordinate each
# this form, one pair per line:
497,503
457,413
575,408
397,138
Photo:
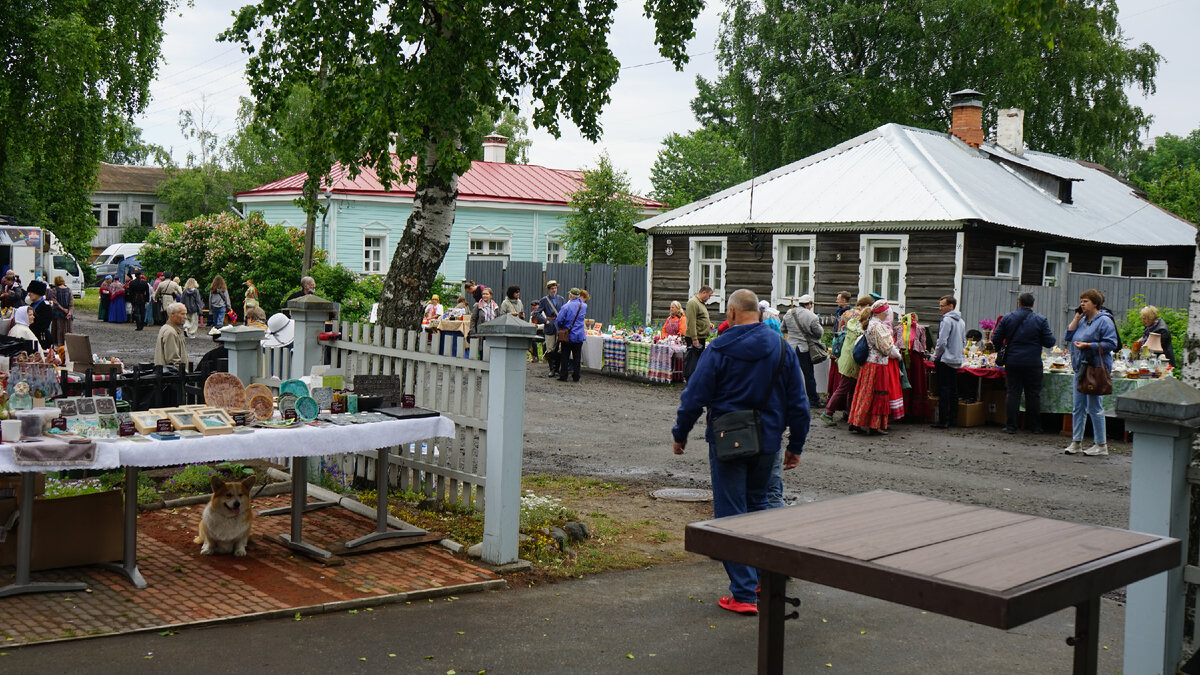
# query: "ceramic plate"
287,402
295,387
224,390
307,408
258,389
262,406
323,397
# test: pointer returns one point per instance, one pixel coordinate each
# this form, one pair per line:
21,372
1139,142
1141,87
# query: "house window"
113,216
794,270
147,215
883,266
1110,266
708,266
1054,272
482,246
554,250
1156,269
1008,262
373,251
97,213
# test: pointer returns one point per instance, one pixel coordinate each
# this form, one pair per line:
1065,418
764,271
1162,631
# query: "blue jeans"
740,487
775,486
216,316
810,380
1088,405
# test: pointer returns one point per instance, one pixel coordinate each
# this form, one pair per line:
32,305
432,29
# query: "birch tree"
409,77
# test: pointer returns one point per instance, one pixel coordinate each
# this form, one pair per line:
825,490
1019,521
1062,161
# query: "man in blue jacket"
735,372
1025,332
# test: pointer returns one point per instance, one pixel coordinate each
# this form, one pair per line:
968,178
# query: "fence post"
508,338
1163,416
242,344
310,313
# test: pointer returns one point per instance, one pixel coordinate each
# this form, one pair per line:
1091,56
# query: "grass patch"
89,303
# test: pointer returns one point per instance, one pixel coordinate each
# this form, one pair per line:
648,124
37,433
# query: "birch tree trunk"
421,249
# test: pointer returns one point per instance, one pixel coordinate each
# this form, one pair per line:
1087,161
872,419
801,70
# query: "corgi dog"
225,525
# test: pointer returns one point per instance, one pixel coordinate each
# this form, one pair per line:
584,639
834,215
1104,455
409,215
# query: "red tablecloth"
987,373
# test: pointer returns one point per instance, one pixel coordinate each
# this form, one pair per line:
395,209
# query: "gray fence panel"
1161,293
527,275
1051,302
568,276
984,298
630,293
490,273
600,285
1115,290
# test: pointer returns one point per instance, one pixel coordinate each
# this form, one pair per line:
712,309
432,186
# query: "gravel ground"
129,344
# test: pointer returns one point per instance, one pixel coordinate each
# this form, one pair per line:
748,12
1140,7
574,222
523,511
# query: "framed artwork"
87,406
67,407
210,423
182,419
145,421
105,405
194,406
217,412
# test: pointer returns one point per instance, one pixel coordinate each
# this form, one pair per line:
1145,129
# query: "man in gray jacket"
947,359
803,327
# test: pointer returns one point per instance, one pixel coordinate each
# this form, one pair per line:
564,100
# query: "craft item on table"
145,421
125,425
164,436
307,408
323,396
183,419
54,453
614,355
212,424
224,390
85,406
279,424
66,407
258,389
58,425
334,381
352,403
189,433
105,405
294,387
287,402
240,417
387,387
407,401
20,398
42,379
638,359
109,422
31,423
262,407
222,414
138,439
195,406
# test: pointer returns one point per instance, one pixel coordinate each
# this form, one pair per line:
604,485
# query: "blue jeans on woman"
217,316
1088,405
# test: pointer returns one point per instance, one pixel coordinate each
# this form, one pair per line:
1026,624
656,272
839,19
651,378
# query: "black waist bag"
737,434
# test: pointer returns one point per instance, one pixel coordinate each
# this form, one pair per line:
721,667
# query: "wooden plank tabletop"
984,565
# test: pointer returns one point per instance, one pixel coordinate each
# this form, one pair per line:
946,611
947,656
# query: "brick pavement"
187,588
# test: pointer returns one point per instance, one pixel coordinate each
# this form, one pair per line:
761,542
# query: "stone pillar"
508,338
242,344
1163,417
310,313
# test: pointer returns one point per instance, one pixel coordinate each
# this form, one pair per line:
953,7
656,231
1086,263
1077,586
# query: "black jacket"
43,316
1025,341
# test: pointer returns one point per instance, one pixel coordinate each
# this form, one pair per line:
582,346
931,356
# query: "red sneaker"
732,605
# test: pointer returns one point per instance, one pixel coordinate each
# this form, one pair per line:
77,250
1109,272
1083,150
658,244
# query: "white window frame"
1016,254
694,268
779,294
383,249
1112,260
866,242
1153,266
555,237
111,208
488,240
1066,262
143,209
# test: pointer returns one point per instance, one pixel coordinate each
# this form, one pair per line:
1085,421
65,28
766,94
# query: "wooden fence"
449,470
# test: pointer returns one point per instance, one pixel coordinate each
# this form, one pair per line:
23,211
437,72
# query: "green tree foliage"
134,232
196,191
71,70
1169,172
694,166
600,228
260,150
412,77
354,292
125,146
507,123
236,249
800,76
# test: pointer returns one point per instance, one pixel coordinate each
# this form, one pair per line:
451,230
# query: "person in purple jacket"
570,319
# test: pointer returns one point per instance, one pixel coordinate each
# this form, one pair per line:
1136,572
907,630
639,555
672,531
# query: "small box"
971,414
70,531
996,404
10,485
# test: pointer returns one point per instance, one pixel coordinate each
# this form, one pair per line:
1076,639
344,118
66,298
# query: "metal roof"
901,177
485,181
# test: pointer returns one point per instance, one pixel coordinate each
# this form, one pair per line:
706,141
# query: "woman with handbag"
571,334
1091,337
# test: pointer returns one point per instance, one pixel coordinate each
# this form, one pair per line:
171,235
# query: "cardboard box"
971,414
70,531
10,485
995,402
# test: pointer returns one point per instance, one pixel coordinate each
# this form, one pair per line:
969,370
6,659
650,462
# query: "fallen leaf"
828,665
462,632
362,658
429,657
862,632
391,656
450,672
352,611
823,620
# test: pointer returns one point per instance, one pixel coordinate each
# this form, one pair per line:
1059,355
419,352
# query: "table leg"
299,506
381,509
770,623
1087,637
21,583
128,565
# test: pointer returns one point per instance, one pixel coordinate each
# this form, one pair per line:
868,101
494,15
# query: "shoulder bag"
1094,380
564,334
1002,350
737,434
861,350
817,352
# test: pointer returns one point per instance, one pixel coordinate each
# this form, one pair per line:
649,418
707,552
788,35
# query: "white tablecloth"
593,352
305,441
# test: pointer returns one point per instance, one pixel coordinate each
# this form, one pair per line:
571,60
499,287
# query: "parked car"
106,263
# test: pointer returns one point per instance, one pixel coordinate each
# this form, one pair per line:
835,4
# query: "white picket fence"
449,470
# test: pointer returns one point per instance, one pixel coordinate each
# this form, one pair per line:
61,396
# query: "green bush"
237,249
1131,327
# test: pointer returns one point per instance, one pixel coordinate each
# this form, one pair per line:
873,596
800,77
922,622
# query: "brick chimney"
966,116
494,148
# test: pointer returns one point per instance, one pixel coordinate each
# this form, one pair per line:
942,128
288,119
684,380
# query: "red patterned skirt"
877,396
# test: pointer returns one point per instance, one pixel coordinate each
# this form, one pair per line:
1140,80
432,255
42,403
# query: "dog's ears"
218,485
248,483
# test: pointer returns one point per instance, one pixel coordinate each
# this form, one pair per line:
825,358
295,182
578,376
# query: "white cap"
806,299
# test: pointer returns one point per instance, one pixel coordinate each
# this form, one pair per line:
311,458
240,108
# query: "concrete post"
242,344
509,339
1163,417
310,314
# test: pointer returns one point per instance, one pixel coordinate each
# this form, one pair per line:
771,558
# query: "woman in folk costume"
877,394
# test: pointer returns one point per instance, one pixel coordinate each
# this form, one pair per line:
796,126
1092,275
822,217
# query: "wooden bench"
983,565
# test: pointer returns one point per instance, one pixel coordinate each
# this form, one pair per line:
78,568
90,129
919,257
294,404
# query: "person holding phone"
1092,338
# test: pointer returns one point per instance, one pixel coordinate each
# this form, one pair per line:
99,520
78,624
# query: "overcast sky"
649,101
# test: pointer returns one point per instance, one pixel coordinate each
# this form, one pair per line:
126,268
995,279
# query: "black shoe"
877,432
562,379
939,426
1009,430
1037,431
855,430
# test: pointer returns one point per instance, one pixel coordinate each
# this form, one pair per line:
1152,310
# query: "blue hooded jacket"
734,373
1102,331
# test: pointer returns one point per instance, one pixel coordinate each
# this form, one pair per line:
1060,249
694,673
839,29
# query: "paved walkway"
187,588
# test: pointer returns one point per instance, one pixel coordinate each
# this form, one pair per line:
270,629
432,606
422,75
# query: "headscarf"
880,306
487,310
21,315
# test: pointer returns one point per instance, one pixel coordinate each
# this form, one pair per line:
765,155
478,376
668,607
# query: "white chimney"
1010,130
494,148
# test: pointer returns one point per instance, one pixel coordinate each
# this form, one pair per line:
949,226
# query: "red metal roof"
486,181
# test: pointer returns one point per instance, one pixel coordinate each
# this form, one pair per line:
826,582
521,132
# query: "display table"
299,443
593,352
982,565
1058,392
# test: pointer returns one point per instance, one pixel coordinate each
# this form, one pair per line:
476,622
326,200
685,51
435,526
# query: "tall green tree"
412,76
799,76
600,228
71,70
693,166
1169,172
125,145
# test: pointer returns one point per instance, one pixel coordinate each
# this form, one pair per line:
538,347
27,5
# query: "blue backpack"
839,339
861,350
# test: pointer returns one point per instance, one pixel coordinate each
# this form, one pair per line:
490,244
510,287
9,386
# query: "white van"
109,258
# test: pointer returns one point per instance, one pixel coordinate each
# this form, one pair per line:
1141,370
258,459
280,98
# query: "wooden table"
983,565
